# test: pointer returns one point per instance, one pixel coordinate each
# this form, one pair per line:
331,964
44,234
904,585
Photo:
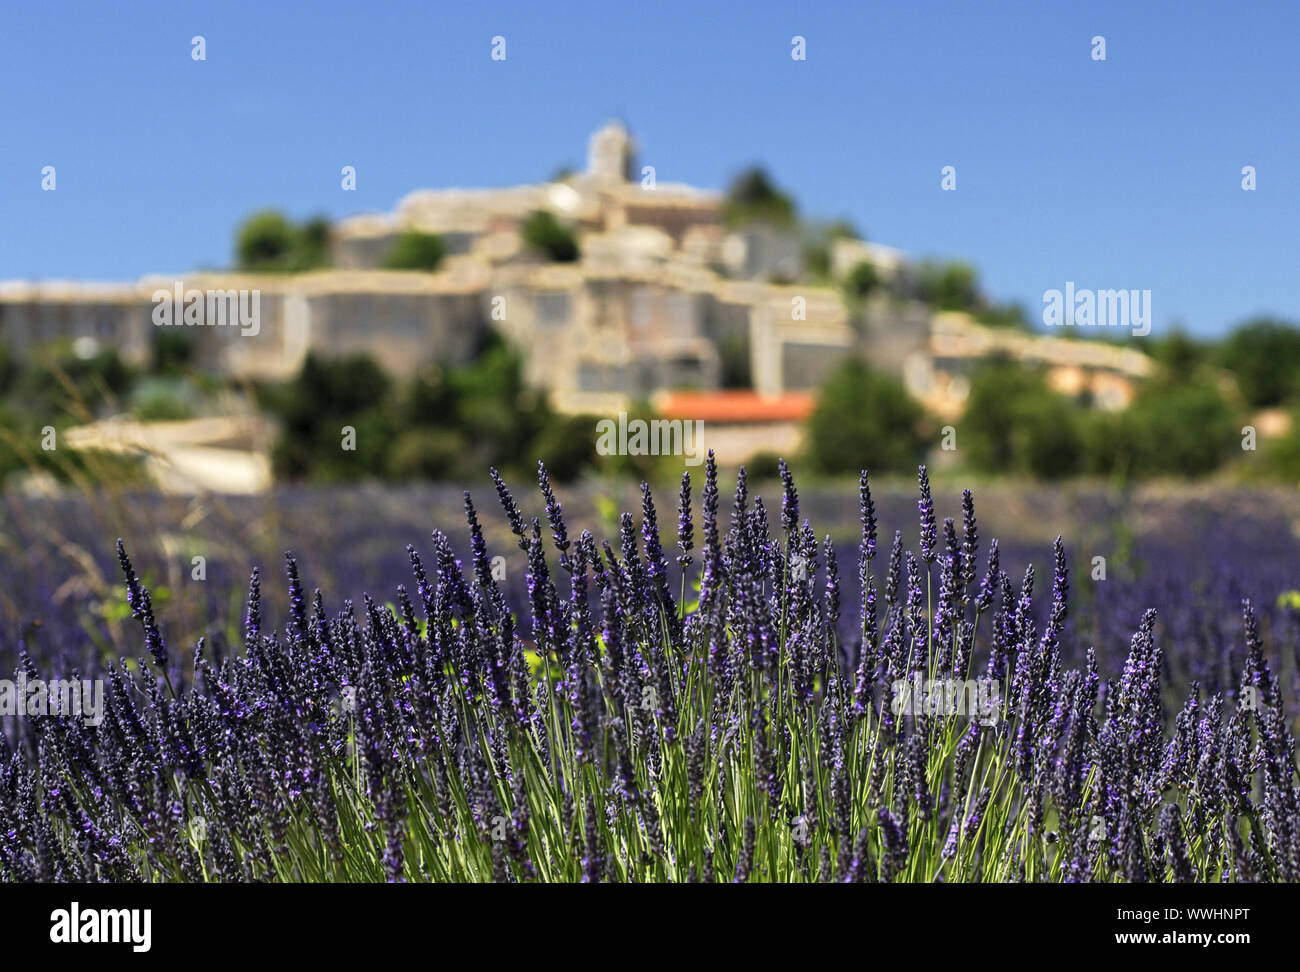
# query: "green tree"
843,229
650,468
497,419
9,369
949,286
265,242
313,244
864,419
544,233
425,452
429,399
416,251
567,444
1048,440
162,400
1282,455
1011,315
1178,353
762,466
54,386
269,242
753,197
861,280
326,396
734,361
1168,430
171,350
817,253
1264,354
1013,423
61,384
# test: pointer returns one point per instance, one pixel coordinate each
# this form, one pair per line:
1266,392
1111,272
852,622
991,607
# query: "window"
552,310
594,377
643,308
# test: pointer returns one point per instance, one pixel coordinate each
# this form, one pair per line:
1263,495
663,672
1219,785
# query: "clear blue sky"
1121,174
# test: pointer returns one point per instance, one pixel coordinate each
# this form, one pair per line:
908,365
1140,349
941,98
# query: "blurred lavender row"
1192,554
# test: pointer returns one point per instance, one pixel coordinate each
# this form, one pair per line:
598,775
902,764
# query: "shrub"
763,466
427,453
817,253
313,244
162,401
1013,423
1264,355
1179,354
269,242
863,418
172,350
327,395
265,242
1179,430
1282,455
547,235
861,280
9,369
753,197
734,361
567,444
415,251
1009,315
949,286
59,384
441,424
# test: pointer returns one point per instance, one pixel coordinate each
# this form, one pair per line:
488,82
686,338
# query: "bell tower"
610,154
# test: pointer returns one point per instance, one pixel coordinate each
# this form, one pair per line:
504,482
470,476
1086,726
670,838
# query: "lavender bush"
678,706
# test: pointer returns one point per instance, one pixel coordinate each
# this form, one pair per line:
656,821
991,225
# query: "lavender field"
725,683
1190,552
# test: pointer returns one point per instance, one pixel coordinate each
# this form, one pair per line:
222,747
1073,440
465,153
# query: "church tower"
610,154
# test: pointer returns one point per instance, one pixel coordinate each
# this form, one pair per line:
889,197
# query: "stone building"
88,316
1106,375
653,303
664,297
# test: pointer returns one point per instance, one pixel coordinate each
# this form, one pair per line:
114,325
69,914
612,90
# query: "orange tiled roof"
736,405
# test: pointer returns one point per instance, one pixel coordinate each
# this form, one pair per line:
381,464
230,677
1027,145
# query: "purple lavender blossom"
925,505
